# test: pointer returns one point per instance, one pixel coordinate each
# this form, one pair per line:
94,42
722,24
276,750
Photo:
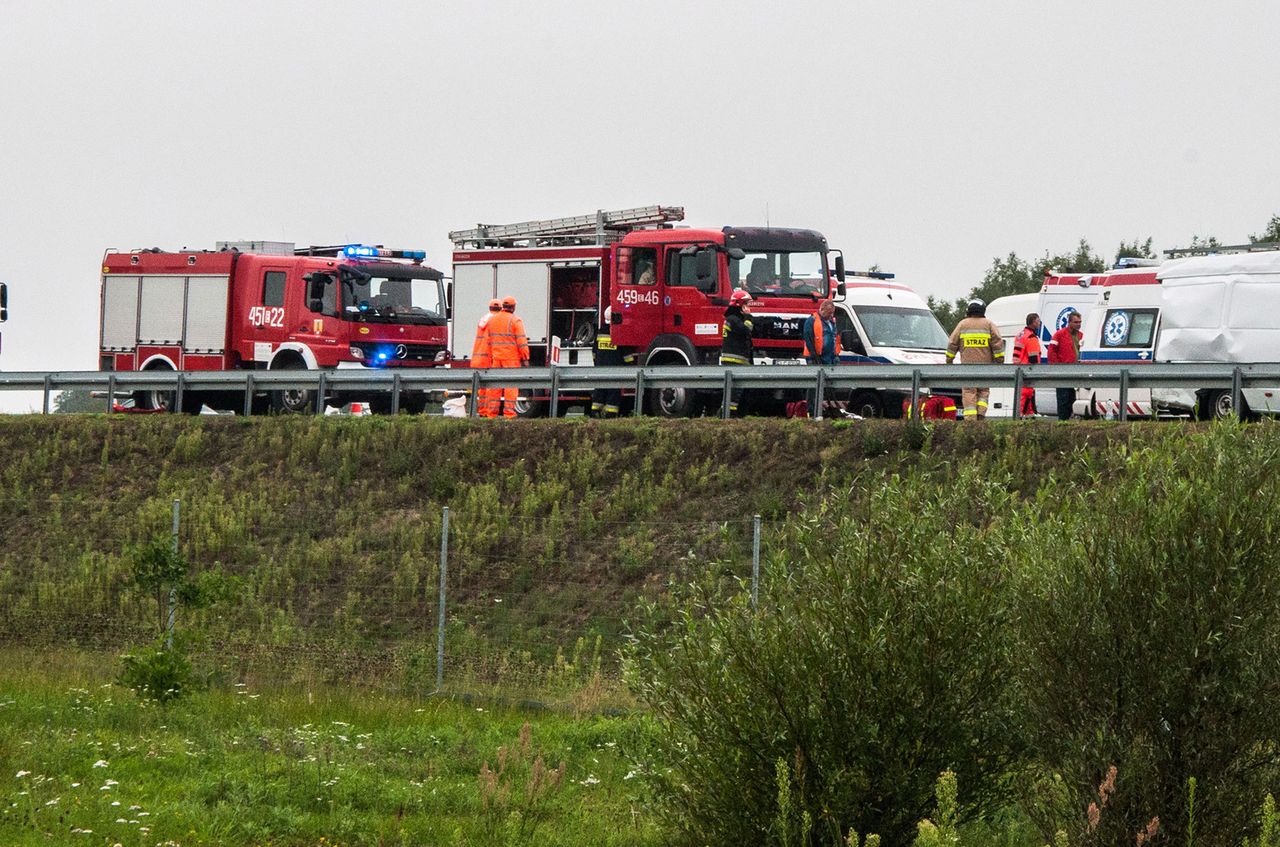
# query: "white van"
1059,296
1122,328
883,322
1223,307
1010,315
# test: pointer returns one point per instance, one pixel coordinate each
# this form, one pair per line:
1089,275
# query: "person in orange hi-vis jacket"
487,399
508,348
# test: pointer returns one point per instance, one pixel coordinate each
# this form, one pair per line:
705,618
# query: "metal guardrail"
908,379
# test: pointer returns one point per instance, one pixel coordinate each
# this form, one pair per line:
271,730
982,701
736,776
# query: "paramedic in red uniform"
1026,351
1064,349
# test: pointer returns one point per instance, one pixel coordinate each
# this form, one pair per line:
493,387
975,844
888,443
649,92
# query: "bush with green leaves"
158,672
877,659
1151,637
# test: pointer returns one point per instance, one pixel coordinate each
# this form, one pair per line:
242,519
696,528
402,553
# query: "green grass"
240,766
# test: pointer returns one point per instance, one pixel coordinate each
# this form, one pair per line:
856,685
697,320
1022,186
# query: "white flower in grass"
591,779
115,802
101,763
75,785
21,774
52,802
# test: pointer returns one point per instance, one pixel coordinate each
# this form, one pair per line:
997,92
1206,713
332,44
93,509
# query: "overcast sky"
926,137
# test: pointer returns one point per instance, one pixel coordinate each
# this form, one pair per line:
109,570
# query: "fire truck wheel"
299,401
527,407
671,402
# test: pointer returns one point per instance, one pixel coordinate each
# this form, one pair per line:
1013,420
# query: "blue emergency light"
360,251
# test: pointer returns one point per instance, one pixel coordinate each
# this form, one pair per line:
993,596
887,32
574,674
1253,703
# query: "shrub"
1151,637
876,661
158,673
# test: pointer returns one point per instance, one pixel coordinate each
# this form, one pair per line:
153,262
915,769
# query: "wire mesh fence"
409,600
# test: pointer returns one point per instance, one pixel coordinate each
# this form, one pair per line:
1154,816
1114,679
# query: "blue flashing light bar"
872,274
360,251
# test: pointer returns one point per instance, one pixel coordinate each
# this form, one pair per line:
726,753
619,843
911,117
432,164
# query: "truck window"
684,272
273,288
637,266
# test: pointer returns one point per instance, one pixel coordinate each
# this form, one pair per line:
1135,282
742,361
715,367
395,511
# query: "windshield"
383,297
890,326
780,274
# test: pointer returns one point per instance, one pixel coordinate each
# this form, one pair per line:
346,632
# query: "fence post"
111,394
727,397
48,383
173,591
444,571
819,394
755,563
395,394
473,404
553,408
915,392
321,384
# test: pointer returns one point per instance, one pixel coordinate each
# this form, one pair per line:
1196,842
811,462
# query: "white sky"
926,137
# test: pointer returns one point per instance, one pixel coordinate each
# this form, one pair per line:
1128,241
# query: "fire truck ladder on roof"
599,228
1209,249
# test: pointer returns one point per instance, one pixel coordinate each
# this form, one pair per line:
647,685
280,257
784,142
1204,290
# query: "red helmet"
739,298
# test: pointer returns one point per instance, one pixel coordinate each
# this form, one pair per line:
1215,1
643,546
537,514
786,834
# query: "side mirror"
840,290
736,253
448,300
704,264
315,291
4,302
315,304
840,271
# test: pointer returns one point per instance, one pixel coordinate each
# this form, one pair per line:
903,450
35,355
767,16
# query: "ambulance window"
849,339
273,288
1129,328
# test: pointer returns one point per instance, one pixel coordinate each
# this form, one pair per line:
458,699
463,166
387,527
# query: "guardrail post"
178,391
473,404
726,399
48,385
915,392
554,409
1124,394
1237,392
248,393
1017,392
444,574
638,406
320,387
395,394
819,394
111,393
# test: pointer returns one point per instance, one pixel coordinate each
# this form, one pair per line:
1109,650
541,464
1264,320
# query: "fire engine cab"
269,306
666,288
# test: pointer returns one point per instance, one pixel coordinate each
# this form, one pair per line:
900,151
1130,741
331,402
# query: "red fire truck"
268,306
666,288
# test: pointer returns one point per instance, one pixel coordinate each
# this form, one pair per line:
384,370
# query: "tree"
1135,250
1013,275
76,400
1271,233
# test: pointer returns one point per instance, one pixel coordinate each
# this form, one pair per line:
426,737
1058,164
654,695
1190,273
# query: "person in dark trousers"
821,345
1026,351
1064,349
736,346
606,402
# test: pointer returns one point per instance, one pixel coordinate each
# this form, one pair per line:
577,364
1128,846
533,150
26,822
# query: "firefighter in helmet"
487,399
977,340
736,346
508,348
606,402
